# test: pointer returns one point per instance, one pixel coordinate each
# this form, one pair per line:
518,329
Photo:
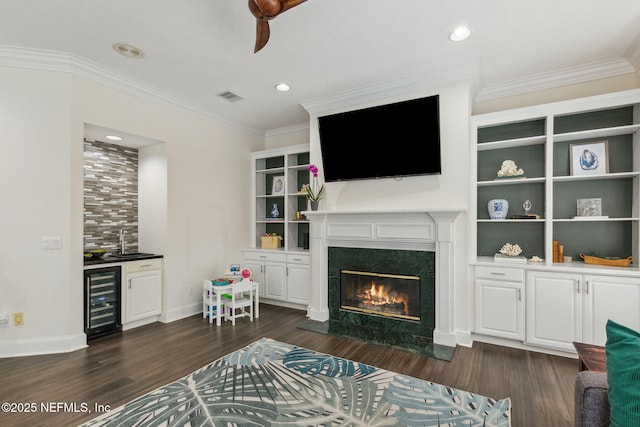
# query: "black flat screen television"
392,140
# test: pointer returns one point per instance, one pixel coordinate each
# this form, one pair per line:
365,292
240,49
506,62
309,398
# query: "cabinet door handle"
519,294
88,303
497,274
586,287
578,286
263,256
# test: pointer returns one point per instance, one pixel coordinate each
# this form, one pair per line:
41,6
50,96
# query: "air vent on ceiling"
229,96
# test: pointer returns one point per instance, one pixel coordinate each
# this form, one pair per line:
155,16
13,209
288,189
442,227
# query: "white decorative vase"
498,208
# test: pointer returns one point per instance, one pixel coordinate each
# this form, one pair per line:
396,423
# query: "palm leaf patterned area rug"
270,383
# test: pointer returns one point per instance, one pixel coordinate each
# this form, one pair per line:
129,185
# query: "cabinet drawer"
143,265
500,273
298,259
265,256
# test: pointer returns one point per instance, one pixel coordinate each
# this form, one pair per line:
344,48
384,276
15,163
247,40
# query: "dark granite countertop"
113,259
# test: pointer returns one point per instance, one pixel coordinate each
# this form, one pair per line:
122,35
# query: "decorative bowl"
95,254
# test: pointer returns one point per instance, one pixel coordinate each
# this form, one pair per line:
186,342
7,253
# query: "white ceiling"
196,49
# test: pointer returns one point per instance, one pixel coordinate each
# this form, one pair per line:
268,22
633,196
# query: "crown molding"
36,59
301,127
567,76
633,53
407,85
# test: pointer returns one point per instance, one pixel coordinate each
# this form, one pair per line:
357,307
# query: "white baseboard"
442,338
141,322
464,338
452,339
283,304
49,345
181,312
504,342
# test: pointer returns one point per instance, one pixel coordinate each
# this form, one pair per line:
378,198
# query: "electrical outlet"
4,320
18,319
190,290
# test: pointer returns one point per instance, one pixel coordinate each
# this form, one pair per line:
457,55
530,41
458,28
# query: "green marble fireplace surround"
407,335
387,261
413,243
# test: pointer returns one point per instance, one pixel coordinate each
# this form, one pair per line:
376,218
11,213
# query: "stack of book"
525,216
558,251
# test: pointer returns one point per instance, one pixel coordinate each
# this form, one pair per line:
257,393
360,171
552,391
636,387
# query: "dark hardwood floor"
117,368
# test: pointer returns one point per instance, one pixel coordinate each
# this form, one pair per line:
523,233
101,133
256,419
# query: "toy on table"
246,274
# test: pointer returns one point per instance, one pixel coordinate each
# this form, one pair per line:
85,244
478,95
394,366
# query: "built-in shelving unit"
284,273
538,139
551,304
287,168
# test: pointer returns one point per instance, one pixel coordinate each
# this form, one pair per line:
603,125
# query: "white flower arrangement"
511,249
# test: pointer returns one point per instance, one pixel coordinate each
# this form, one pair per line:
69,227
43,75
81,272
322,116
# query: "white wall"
152,198
42,116
35,186
286,137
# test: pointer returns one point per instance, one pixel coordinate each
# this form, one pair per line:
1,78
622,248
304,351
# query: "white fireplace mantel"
422,230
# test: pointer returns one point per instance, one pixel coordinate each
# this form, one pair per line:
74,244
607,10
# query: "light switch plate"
51,242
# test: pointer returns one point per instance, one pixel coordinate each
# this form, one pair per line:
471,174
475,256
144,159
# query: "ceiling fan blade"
256,9
264,10
262,34
288,4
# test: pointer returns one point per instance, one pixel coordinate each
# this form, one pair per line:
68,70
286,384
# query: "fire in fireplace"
381,294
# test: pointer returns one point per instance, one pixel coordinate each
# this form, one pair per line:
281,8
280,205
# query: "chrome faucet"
123,245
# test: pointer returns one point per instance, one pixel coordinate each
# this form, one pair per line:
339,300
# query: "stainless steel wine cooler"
102,301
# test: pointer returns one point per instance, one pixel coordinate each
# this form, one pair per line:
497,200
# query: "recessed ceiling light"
459,34
128,50
114,137
282,87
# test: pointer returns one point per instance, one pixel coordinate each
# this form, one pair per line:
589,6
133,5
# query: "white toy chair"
241,294
209,301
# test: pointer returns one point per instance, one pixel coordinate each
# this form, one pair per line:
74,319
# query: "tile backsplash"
110,196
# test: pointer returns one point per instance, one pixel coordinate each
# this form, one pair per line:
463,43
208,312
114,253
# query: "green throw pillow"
623,370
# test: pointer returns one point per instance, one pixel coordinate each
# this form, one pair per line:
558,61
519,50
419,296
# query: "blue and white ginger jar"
498,208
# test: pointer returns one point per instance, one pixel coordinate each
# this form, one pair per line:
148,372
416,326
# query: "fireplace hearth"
380,294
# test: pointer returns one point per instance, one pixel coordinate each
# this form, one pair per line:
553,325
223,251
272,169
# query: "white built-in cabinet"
284,273
554,310
298,278
567,307
269,269
142,293
560,302
609,297
500,302
283,277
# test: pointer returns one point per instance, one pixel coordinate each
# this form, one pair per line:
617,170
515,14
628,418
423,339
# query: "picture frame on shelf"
589,158
277,189
589,208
